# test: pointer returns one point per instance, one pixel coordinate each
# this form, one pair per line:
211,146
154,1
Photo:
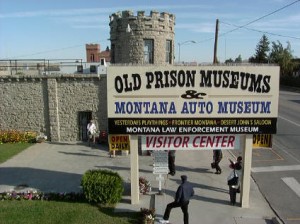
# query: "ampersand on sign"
192,94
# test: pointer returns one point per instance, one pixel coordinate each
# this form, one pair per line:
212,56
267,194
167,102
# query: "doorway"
83,119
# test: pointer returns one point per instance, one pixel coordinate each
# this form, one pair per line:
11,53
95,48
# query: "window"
79,68
169,51
112,60
93,69
92,57
102,61
148,51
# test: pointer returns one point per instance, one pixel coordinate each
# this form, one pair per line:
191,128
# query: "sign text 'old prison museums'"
192,100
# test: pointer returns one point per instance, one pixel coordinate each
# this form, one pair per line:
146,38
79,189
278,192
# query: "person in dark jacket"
171,161
217,157
237,171
182,199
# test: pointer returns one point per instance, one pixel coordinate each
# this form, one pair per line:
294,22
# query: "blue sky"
57,29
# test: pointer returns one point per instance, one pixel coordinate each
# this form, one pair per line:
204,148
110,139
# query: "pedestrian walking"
91,129
234,179
171,162
182,199
217,157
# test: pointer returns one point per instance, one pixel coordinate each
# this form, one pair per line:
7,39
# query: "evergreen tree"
283,57
238,59
261,52
228,61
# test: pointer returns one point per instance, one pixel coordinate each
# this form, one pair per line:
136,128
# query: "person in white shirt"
91,128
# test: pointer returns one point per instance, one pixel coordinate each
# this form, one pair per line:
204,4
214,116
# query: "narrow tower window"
169,51
148,51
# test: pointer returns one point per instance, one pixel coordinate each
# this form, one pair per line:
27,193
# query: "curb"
275,220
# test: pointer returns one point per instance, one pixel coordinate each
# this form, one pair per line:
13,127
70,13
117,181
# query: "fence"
40,66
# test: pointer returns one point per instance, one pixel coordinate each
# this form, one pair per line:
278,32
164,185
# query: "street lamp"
183,43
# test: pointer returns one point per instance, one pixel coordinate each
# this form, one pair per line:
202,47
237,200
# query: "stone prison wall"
53,104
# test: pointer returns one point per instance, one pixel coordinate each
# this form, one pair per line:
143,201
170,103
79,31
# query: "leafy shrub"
102,186
14,136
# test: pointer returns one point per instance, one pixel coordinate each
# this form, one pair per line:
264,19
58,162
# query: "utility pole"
216,42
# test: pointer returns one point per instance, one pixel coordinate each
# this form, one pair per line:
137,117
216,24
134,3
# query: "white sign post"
247,157
160,166
134,167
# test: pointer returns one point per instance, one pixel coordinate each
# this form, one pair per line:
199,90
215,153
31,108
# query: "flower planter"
40,140
148,215
144,185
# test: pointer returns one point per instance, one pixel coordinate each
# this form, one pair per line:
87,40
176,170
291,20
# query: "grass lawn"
49,212
8,150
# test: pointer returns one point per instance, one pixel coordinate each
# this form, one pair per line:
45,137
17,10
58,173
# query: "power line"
260,31
271,13
253,21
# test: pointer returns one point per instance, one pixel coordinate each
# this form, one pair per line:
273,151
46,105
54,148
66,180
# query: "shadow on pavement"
42,180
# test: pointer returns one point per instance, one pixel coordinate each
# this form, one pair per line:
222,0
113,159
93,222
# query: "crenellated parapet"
128,32
159,22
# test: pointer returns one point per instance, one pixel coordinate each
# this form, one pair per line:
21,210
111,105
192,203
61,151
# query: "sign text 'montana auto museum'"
181,100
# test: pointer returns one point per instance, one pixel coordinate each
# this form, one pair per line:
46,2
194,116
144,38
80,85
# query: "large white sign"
142,100
190,142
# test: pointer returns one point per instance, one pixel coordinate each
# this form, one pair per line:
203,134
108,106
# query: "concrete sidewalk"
58,167
210,204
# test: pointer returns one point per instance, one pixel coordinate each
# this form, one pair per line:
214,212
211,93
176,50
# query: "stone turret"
142,39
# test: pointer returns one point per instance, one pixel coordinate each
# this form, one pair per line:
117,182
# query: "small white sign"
160,158
160,170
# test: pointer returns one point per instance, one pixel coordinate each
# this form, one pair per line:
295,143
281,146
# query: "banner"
144,126
190,142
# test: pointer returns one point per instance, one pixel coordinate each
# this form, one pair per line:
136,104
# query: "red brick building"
94,54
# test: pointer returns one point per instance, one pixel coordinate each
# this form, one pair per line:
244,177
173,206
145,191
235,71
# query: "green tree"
238,59
283,57
261,52
228,61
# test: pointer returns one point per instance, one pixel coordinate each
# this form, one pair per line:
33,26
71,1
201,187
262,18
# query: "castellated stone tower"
142,39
